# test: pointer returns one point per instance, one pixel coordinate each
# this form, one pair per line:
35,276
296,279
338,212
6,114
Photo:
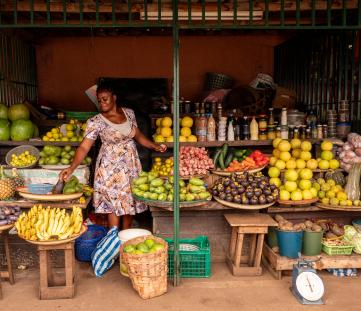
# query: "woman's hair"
105,87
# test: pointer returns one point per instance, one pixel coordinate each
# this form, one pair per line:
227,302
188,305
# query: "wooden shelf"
38,143
238,143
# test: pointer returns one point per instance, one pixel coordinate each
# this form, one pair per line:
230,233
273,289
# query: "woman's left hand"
160,148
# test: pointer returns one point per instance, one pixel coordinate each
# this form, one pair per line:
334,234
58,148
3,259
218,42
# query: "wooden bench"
51,286
256,225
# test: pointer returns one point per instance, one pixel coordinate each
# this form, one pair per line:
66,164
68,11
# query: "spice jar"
201,128
278,131
262,122
271,133
319,131
262,135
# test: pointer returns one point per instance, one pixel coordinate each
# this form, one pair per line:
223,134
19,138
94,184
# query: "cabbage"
352,237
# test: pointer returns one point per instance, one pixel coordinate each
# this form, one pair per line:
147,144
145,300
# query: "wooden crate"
276,263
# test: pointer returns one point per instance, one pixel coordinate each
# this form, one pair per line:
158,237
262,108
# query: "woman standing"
118,161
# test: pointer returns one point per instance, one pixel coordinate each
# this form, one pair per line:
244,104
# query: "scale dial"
310,286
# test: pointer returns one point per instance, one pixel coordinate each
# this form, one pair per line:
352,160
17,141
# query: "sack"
105,253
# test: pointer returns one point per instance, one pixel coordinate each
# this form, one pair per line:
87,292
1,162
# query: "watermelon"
3,111
21,130
4,129
18,112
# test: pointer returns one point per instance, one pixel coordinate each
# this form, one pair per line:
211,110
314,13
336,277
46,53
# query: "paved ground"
221,292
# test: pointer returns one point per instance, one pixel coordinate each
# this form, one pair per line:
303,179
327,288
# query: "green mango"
204,195
154,196
140,181
189,197
171,179
168,186
182,197
162,197
182,183
79,188
159,190
53,160
157,182
57,151
196,182
144,187
170,197
142,247
143,174
194,189
68,190
151,176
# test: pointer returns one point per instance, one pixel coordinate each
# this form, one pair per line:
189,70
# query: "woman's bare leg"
113,220
127,221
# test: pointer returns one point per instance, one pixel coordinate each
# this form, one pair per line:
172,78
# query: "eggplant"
253,200
241,189
270,198
234,192
3,222
262,199
222,196
249,194
257,192
237,199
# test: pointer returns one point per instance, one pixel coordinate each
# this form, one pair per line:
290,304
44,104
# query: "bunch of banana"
45,224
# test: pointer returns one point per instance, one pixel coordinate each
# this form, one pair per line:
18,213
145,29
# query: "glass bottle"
245,129
271,120
201,128
230,131
278,132
319,131
284,117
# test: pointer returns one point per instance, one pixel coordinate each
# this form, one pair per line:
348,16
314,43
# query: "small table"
51,287
257,226
4,230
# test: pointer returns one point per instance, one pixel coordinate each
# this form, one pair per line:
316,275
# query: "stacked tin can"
331,122
343,126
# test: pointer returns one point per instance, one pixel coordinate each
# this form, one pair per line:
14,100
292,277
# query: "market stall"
243,149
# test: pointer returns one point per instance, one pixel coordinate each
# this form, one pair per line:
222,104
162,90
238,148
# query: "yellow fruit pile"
296,155
23,159
164,132
46,224
332,194
163,169
74,131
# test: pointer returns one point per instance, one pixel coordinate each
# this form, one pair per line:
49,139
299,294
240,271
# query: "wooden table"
276,263
255,225
9,273
23,203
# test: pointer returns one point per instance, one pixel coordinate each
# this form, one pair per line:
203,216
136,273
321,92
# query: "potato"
337,230
279,218
300,226
316,228
287,227
330,235
308,224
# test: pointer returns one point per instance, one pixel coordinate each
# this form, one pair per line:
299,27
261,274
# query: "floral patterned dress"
117,165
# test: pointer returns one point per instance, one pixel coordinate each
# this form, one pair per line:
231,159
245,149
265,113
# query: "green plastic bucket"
312,243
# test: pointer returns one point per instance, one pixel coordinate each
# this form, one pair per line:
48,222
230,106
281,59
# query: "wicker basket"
218,81
148,272
19,150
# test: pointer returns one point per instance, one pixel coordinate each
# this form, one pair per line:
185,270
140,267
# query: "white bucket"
126,235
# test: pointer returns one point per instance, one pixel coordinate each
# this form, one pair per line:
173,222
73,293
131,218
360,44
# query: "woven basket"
148,272
19,150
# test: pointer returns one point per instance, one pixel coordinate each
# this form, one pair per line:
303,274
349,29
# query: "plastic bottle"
284,117
201,128
230,132
211,128
254,129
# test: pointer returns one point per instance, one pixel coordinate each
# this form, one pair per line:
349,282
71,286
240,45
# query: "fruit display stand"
24,203
276,263
4,230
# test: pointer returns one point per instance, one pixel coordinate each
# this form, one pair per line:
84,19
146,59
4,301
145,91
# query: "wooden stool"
257,226
50,286
9,273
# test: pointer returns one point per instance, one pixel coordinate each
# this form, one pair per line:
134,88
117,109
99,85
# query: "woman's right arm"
79,156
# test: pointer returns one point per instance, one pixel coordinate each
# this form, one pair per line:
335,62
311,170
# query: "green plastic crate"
81,116
337,250
193,264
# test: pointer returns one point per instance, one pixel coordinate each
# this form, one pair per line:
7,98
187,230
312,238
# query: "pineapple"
16,179
7,189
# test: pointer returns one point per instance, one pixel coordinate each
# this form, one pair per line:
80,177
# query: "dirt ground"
220,292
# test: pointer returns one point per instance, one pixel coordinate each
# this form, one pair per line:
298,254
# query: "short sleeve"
132,118
92,129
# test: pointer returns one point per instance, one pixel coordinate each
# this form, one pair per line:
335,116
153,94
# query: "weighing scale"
307,286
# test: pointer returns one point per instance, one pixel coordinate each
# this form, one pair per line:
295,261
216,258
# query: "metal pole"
176,273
